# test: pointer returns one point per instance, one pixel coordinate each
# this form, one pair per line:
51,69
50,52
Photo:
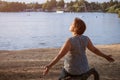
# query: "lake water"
27,30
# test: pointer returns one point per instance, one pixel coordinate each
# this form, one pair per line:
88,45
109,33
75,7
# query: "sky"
42,1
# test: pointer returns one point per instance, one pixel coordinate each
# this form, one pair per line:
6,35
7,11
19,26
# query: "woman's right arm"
92,48
66,47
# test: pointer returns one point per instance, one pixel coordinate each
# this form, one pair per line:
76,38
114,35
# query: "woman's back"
76,61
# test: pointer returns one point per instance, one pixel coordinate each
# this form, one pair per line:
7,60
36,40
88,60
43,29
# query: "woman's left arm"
95,50
66,47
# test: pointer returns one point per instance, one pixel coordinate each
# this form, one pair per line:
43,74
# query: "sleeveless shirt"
76,61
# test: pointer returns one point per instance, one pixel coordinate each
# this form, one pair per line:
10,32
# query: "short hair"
79,26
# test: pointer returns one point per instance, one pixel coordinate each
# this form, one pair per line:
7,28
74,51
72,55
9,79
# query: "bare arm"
66,47
92,48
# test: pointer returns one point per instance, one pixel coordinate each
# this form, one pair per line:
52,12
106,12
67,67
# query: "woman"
76,61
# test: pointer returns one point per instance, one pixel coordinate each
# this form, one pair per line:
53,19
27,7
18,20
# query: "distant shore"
28,64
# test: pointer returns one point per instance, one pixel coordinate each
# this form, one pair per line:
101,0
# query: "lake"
26,30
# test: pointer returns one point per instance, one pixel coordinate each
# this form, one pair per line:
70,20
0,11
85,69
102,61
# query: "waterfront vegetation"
113,6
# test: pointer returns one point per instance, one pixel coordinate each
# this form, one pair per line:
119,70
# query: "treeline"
53,5
16,6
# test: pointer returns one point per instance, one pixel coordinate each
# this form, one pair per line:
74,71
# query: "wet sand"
28,64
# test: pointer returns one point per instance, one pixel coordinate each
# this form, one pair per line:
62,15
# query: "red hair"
79,26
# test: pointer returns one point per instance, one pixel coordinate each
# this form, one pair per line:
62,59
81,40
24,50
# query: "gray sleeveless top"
75,61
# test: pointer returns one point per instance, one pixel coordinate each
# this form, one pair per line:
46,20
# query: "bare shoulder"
90,45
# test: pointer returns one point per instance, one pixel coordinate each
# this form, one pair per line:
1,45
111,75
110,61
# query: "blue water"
27,30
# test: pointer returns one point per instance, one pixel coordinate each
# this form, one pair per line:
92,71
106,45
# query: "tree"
111,3
53,3
37,6
104,6
49,5
13,7
71,3
44,6
60,4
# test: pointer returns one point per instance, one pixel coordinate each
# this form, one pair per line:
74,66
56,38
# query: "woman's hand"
46,70
109,58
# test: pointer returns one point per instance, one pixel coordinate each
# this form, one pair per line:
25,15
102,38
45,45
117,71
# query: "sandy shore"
28,64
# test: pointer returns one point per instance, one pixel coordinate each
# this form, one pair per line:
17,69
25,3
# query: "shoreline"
101,45
28,64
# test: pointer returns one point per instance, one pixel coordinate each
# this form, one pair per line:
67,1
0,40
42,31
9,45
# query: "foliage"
52,5
12,7
111,9
114,9
60,4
